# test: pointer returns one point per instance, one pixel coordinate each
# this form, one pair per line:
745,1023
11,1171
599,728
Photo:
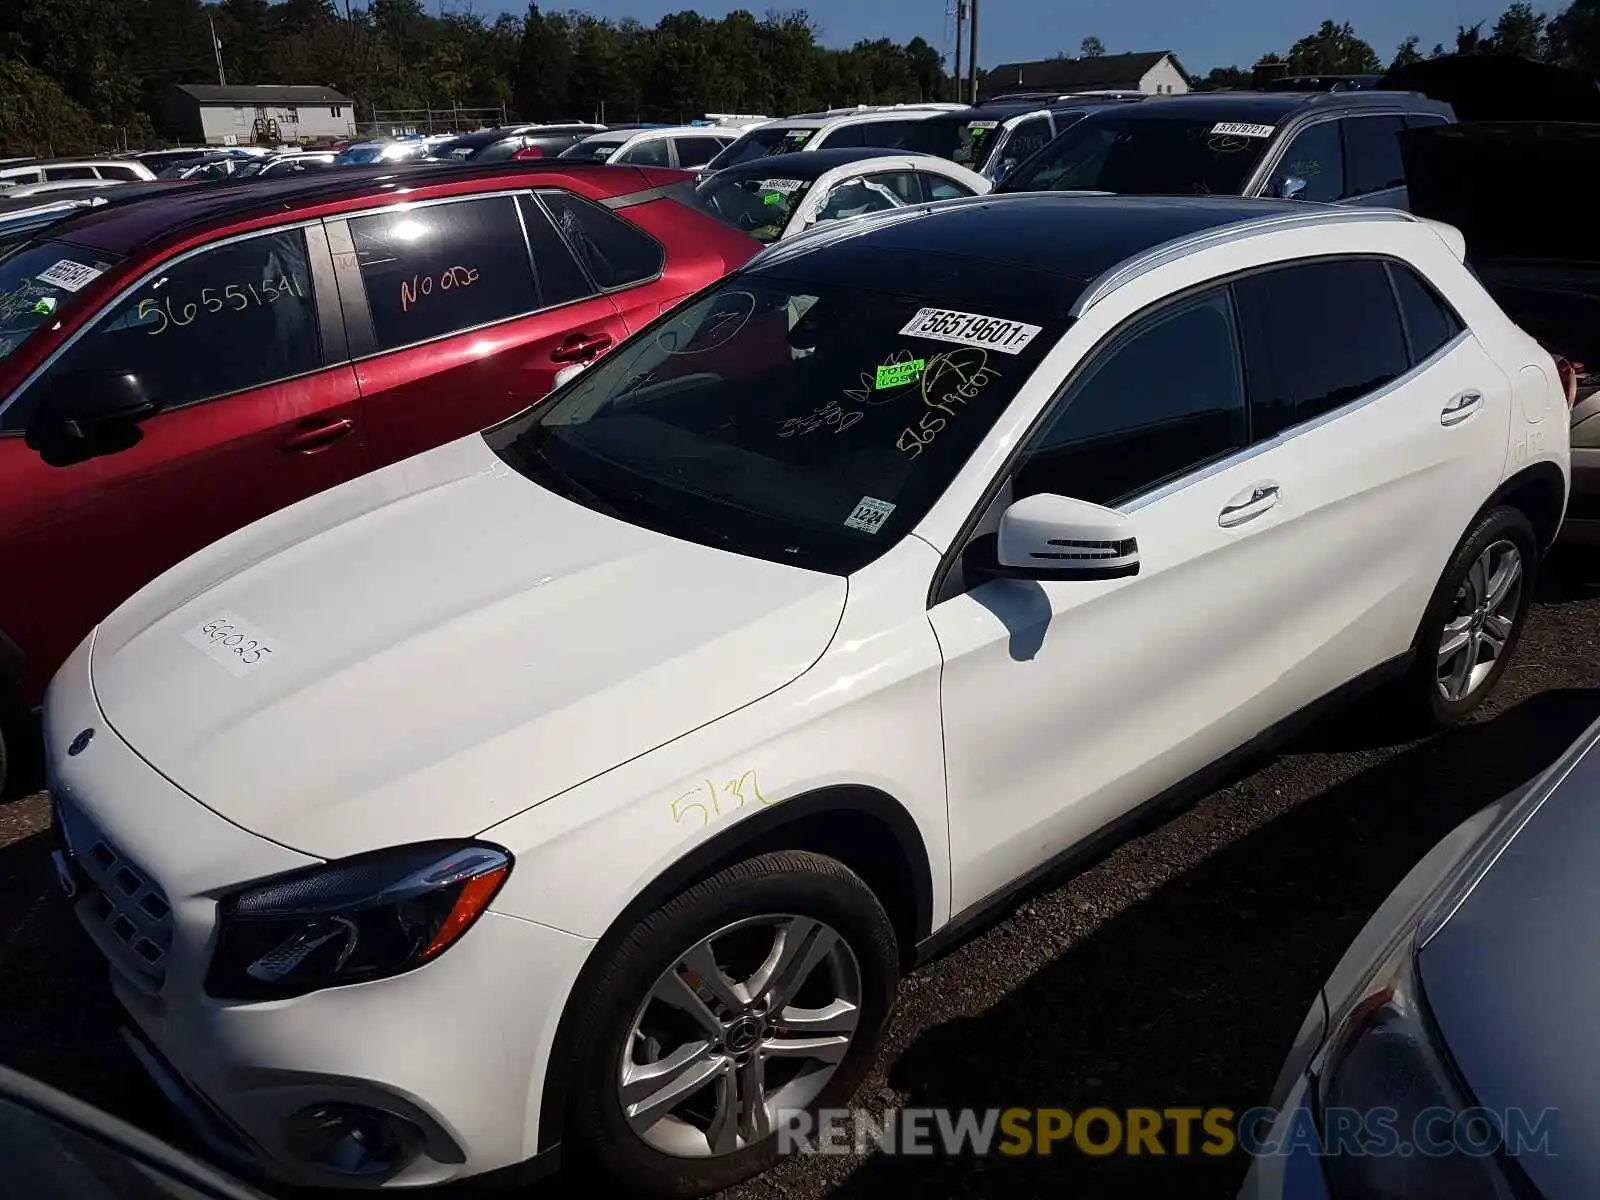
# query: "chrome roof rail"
1146,261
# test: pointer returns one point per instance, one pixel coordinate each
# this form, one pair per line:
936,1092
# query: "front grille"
123,908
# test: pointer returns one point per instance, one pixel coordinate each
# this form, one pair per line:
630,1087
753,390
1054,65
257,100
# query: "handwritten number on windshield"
949,379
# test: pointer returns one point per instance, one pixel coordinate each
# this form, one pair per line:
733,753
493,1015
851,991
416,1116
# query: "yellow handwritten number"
744,788
152,308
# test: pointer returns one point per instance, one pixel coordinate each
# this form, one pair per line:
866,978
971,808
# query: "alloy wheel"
750,1022
1481,622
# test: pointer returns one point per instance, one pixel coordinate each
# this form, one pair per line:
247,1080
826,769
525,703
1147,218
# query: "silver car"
1452,1052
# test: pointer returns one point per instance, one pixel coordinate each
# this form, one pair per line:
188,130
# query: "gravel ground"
1176,972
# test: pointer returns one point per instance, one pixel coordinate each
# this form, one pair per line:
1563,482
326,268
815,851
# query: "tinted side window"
1423,120
114,172
237,317
846,137
940,188
1318,335
902,183
1372,155
1029,137
559,278
1316,160
1162,399
443,267
697,151
70,173
654,153
614,252
855,198
1430,321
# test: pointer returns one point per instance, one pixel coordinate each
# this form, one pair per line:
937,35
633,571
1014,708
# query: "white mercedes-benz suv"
589,783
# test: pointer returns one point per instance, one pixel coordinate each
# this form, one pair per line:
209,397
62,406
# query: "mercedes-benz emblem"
81,742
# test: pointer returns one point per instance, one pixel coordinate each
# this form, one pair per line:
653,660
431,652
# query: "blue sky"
1203,33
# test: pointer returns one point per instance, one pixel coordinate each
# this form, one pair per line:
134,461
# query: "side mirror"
1047,537
89,413
1290,187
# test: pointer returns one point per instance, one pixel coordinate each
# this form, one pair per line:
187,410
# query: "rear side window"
229,319
1163,398
940,188
1317,336
652,153
697,151
441,268
1028,138
614,252
559,278
1372,155
70,173
114,172
1430,321
1424,120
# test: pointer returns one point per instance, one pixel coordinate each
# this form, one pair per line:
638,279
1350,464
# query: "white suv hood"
451,644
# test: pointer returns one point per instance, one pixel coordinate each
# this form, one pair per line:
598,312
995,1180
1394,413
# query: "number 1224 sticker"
970,329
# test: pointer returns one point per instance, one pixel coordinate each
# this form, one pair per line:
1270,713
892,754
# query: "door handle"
1249,504
581,347
1462,407
316,437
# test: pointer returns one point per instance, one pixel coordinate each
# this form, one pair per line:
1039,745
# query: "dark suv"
1334,147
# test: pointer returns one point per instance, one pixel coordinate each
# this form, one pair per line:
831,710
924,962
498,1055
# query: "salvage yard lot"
1174,973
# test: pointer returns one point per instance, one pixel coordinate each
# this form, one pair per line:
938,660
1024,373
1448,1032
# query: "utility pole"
972,53
216,48
961,16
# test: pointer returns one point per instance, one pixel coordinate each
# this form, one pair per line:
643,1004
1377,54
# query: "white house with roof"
243,114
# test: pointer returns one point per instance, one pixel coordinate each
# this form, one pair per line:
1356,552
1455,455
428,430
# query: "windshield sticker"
799,136
44,307
898,374
869,514
772,198
782,186
1238,129
68,275
233,642
982,125
970,329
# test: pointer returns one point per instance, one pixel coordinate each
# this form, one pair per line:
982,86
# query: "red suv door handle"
310,440
580,347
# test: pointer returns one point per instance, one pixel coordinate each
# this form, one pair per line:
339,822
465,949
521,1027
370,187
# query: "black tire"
1422,703
599,1143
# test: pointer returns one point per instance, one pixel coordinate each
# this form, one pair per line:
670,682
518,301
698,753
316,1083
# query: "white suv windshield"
758,143
786,418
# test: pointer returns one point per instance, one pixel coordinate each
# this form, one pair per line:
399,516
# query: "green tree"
38,117
544,65
1333,50
1520,31
1574,36
1091,47
1406,54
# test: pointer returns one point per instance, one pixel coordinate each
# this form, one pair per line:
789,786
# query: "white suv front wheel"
757,994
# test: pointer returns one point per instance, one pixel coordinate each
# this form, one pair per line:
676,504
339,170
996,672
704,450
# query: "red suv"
173,368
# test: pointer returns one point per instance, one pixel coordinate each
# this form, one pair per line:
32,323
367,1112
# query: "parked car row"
464,481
